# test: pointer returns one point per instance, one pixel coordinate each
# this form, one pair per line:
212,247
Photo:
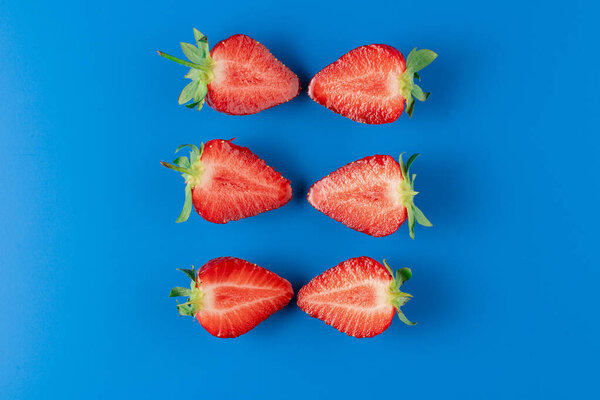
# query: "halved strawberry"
373,195
226,182
371,84
230,296
239,76
358,296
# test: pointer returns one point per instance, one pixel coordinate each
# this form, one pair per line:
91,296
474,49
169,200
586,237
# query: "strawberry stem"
201,71
194,295
177,60
416,61
398,298
176,168
406,194
191,169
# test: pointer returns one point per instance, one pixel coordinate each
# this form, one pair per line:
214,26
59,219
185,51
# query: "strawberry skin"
358,297
371,84
239,76
230,296
227,182
248,78
373,195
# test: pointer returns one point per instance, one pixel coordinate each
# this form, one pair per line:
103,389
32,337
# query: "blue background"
505,283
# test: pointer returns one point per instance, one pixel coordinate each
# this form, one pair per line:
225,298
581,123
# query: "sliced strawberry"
230,296
358,296
226,182
373,195
371,84
239,76
248,78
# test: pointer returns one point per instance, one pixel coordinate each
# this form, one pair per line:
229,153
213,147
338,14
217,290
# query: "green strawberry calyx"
397,297
406,192
191,169
194,294
201,70
416,61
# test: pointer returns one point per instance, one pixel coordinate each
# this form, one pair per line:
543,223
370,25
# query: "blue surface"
504,285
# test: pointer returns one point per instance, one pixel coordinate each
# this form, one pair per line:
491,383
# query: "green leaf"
196,153
199,153
182,161
193,74
404,319
410,105
187,205
420,217
197,105
194,54
419,59
200,92
410,57
410,161
191,273
402,275
180,292
191,146
185,309
201,41
387,266
411,224
188,92
419,94
403,168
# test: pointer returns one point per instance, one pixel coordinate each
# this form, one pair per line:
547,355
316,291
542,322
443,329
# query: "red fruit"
226,182
373,195
239,76
371,84
358,296
230,296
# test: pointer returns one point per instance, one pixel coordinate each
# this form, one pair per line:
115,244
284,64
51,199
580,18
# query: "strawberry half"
226,182
371,84
358,296
238,77
373,195
230,296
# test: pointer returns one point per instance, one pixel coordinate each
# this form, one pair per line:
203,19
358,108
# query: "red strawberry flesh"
363,195
362,85
227,182
237,184
232,296
355,297
248,78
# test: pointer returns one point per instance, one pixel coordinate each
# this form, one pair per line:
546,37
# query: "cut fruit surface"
248,78
373,195
230,296
227,182
362,85
362,195
371,84
239,76
358,297
237,184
